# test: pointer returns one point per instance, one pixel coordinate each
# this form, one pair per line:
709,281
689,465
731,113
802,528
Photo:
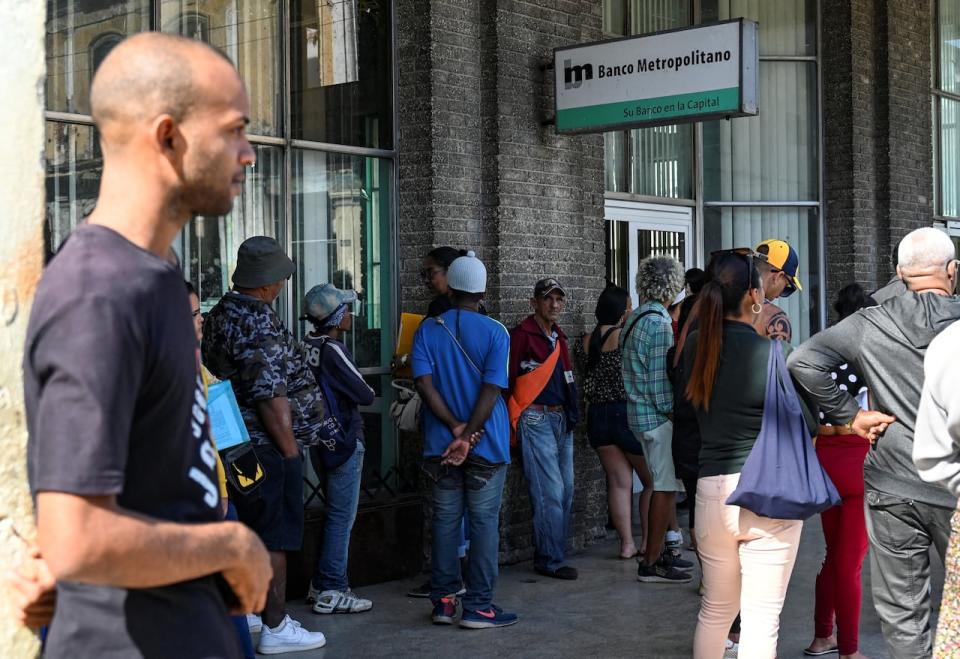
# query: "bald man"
906,517
119,461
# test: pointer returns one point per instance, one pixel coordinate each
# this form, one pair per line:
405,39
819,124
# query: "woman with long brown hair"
747,559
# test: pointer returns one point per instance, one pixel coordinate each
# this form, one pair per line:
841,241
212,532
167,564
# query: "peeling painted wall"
21,259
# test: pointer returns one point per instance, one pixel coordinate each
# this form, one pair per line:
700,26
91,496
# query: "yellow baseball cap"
781,256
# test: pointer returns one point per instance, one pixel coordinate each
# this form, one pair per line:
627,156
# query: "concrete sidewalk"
606,613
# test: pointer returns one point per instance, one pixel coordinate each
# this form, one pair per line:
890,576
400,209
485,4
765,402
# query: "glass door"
637,230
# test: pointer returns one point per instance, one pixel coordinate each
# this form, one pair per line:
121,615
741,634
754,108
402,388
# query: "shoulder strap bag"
648,312
336,445
782,477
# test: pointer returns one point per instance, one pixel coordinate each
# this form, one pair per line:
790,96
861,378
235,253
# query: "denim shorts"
274,511
607,426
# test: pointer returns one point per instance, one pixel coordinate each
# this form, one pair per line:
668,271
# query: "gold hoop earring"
756,308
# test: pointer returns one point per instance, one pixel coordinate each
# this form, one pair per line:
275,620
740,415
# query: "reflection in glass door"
635,231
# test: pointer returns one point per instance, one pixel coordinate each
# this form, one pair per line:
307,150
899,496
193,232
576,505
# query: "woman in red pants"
842,453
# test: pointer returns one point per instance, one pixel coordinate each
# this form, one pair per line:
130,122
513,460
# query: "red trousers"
839,592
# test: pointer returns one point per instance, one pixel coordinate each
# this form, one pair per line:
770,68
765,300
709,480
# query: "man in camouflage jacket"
245,342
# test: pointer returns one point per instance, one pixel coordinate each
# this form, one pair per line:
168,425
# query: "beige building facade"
21,260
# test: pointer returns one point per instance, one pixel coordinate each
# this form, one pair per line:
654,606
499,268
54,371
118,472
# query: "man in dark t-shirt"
119,458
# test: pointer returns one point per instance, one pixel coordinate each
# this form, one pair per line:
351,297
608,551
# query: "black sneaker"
423,590
659,573
673,559
564,572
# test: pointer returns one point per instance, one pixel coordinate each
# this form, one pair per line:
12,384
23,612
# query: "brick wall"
877,134
908,127
478,170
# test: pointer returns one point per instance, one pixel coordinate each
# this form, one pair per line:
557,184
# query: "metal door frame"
651,217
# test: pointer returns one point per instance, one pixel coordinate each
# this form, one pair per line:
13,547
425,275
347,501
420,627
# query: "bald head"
924,249
151,74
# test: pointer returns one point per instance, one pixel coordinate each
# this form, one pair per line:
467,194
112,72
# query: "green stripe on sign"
649,109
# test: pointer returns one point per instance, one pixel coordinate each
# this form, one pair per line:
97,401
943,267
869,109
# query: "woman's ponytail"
709,313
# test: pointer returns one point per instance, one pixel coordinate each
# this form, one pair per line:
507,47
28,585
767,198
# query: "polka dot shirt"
852,382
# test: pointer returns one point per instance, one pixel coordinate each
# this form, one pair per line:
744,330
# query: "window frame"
698,200
937,96
390,250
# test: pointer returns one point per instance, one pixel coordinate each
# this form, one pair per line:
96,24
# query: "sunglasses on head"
746,251
750,258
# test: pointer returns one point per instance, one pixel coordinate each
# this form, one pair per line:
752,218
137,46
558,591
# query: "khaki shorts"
658,450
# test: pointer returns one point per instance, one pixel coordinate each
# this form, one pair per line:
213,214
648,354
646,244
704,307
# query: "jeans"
240,622
547,447
901,532
342,491
475,487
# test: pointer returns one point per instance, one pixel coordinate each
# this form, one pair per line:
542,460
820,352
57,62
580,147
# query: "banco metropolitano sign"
691,74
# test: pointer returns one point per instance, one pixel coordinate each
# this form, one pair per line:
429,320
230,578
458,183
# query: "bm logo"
573,76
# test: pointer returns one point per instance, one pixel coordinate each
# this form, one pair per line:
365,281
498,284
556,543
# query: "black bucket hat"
260,262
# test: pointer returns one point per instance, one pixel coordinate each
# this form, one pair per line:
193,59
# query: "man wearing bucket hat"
327,309
460,368
244,341
779,266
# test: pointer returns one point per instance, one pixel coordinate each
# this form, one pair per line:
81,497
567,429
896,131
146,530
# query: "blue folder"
226,423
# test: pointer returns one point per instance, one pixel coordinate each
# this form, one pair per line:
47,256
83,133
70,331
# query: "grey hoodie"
887,345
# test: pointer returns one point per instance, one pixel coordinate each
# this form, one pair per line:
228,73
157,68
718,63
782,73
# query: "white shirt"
936,440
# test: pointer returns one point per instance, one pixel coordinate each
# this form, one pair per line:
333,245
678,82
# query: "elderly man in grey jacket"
887,344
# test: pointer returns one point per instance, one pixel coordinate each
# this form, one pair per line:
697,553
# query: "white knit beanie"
467,274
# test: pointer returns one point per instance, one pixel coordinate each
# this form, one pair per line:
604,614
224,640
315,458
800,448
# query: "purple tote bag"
782,477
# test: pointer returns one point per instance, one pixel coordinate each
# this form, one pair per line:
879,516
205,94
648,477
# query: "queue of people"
138,539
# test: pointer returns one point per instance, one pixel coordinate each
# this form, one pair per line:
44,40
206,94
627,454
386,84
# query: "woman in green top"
747,559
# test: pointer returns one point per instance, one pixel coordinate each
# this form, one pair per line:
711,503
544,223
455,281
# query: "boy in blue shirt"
460,367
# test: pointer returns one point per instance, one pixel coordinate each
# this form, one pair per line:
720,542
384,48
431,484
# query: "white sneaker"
673,539
254,623
289,636
730,649
336,601
312,594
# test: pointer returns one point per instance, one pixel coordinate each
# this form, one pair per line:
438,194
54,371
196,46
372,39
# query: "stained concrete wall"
21,249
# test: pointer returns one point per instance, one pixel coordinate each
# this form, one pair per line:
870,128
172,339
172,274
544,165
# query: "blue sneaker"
492,617
444,611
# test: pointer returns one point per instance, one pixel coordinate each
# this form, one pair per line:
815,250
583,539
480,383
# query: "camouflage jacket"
245,342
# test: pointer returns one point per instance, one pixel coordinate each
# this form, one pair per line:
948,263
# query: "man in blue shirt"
460,368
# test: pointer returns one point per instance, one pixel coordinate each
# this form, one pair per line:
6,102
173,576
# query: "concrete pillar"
21,260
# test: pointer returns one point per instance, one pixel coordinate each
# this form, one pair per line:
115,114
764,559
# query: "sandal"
822,653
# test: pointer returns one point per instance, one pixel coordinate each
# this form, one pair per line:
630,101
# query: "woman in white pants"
747,559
